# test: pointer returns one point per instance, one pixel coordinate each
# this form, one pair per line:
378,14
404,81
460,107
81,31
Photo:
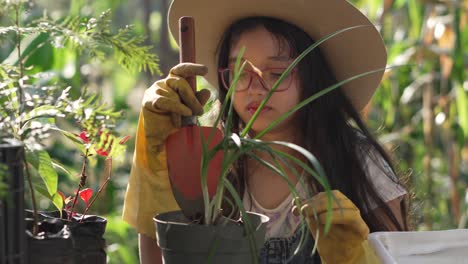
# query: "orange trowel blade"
184,158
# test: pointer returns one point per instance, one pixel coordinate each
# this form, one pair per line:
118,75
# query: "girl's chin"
258,126
263,121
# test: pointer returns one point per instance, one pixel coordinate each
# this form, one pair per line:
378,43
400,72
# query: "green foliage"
420,112
122,241
396,112
88,35
34,101
45,92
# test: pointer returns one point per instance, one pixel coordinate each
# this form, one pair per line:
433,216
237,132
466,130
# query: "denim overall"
280,250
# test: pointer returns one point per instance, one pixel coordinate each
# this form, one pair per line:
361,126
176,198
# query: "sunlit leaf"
415,14
43,163
58,201
462,105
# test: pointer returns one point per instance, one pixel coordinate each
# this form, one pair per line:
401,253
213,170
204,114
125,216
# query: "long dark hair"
334,130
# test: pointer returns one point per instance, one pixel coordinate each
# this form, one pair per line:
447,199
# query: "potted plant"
36,102
235,235
68,236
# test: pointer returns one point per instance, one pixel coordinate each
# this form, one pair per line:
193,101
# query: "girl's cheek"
237,102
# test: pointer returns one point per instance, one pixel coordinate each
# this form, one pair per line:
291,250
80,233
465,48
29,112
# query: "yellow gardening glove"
346,241
168,99
149,190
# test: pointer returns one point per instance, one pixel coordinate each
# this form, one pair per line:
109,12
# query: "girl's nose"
257,86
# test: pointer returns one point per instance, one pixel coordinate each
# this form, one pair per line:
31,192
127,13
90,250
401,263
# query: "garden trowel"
185,147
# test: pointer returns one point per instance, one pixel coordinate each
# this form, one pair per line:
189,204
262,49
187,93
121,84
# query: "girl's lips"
253,109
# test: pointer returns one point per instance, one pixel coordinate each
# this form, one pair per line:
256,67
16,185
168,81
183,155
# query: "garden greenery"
33,102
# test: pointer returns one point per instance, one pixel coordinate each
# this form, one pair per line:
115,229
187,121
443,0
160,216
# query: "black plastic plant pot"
66,242
12,224
184,242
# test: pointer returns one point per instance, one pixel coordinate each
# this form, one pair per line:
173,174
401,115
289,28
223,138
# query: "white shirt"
282,222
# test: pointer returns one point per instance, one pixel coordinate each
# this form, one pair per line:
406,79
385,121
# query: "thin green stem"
82,183
227,161
109,174
33,196
20,109
20,60
212,213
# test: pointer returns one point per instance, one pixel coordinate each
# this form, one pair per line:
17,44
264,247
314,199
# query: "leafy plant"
86,194
33,103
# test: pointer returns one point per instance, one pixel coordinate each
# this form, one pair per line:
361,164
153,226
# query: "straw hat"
350,53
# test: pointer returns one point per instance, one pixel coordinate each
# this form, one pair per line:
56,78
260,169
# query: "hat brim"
348,54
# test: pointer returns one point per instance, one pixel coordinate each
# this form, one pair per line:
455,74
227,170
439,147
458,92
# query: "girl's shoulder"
369,154
378,170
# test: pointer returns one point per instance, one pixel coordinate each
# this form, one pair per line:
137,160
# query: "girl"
274,33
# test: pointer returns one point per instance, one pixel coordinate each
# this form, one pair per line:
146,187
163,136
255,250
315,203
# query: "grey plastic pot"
184,242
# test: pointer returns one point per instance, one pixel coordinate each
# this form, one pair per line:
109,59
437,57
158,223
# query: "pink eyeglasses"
267,78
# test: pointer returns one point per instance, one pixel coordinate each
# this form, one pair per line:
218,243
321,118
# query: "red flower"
86,194
102,152
84,136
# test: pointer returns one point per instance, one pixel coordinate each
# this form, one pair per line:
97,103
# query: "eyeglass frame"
251,73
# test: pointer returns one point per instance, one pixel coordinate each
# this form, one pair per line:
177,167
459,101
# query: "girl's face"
263,52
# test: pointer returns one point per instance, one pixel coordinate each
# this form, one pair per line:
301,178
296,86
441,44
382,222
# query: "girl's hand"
346,241
168,99
149,190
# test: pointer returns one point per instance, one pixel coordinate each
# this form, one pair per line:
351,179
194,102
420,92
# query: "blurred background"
420,112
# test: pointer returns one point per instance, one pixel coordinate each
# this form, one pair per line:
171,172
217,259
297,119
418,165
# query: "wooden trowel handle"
187,54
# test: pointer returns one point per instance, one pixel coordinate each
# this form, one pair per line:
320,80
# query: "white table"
448,246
